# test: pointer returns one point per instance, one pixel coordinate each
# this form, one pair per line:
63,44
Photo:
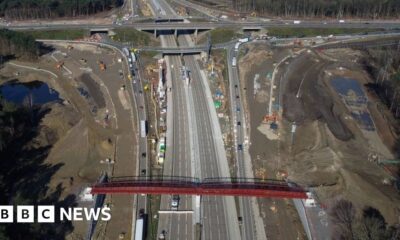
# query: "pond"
352,94
18,92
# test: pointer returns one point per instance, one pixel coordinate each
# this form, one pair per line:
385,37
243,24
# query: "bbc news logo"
47,214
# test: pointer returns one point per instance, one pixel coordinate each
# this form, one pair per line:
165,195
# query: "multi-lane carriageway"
193,186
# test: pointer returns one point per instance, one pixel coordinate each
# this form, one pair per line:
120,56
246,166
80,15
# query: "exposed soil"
283,222
329,151
94,90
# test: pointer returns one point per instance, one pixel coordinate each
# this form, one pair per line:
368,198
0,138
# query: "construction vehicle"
59,65
102,65
69,47
253,14
270,118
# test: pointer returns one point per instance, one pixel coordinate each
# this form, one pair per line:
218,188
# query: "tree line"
384,66
24,174
35,9
321,8
369,224
18,44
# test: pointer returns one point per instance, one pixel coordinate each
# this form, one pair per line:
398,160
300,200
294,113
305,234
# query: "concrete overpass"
177,50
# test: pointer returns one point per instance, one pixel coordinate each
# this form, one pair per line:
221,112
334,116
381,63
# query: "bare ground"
280,217
329,151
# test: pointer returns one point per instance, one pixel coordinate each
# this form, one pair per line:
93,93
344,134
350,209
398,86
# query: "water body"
344,85
352,93
18,92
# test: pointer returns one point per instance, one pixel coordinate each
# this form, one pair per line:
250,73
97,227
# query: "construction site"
87,122
314,122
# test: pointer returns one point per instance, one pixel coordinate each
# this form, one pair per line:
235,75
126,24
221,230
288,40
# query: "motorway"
211,25
246,210
176,224
255,25
218,215
142,154
194,154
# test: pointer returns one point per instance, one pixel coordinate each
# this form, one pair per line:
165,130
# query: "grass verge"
137,38
67,34
221,35
153,202
306,32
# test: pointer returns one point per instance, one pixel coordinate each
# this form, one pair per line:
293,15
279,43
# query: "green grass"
148,54
306,32
221,35
68,34
153,202
137,38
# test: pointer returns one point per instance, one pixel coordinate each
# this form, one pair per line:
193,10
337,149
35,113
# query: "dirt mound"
94,90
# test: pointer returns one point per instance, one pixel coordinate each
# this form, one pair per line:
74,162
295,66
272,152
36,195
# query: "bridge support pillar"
195,33
176,32
155,33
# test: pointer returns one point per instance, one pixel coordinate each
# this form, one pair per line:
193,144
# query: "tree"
18,44
372,225
343,216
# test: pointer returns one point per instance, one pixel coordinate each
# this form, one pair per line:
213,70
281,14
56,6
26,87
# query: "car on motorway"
238,123
143,154
162,235
141,213
143,172
175,202
240,147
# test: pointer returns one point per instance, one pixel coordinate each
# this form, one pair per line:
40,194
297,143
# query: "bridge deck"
188,186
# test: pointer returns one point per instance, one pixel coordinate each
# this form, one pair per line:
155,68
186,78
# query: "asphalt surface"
246,211
203,153
211,25
177,224
213,215
142,157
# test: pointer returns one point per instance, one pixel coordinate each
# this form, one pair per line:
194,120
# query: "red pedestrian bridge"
192,186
